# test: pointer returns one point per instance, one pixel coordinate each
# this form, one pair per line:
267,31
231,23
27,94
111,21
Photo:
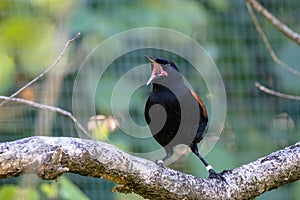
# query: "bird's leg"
209,168
169,153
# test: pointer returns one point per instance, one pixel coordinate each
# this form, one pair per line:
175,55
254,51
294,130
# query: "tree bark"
50,157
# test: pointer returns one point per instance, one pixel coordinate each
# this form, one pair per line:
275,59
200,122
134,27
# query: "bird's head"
163,71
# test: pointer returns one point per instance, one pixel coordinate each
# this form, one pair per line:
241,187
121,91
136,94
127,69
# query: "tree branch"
49,157
49,108
69,42
275,22
275,93
267,43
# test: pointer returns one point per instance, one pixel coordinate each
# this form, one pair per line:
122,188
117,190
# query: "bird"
174,113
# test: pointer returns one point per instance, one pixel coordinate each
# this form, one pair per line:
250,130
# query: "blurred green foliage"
61,189
7,72
12,192
34,32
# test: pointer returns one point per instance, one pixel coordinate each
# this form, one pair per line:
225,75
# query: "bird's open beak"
157,70
150,58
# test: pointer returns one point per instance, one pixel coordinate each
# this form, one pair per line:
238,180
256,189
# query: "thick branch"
49,157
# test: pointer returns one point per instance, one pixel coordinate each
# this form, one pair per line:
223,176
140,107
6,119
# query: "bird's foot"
160,163
215,175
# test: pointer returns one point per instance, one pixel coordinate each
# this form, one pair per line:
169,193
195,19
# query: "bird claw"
215,175
160,163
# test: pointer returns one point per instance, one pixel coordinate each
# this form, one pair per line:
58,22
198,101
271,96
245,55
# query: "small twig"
275,93
50,108
275,22
268,45
69,42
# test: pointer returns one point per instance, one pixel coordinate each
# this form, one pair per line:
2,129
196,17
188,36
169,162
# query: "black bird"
175,113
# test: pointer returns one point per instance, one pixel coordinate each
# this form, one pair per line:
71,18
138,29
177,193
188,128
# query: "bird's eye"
168,65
